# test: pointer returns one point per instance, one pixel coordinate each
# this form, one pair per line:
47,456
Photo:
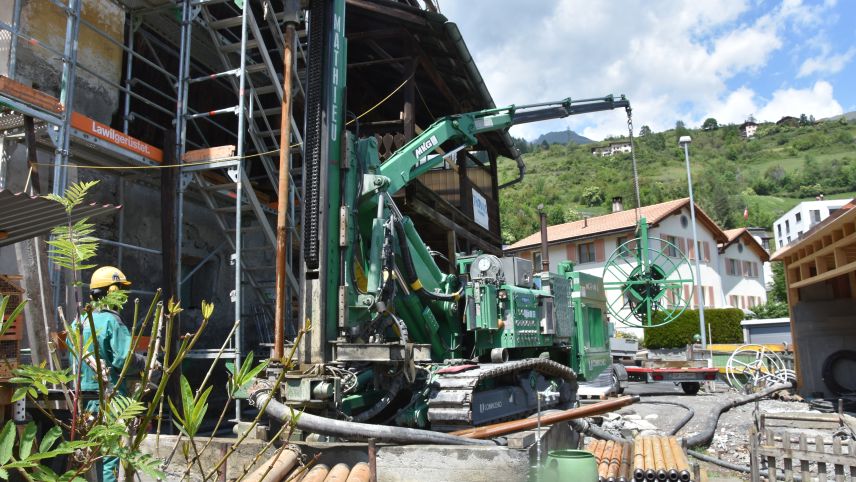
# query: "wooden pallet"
796,454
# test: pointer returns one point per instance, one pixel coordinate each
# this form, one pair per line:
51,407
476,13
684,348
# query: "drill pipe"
614,461
659,463
339,473
316,474
683,465
648,448
638,460
505,428
669,457
280,465
360,473
624,467
603,466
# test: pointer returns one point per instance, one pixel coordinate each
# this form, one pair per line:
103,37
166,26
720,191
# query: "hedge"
724,326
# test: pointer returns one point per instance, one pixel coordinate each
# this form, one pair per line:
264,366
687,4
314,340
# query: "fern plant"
72,244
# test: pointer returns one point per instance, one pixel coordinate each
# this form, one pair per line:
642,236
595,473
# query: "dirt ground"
731,441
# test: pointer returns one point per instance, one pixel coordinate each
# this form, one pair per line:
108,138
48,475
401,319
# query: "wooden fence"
801,457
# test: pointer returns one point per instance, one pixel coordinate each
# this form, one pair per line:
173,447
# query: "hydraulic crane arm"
414,158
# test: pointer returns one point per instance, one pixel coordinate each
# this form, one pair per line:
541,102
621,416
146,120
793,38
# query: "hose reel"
649,275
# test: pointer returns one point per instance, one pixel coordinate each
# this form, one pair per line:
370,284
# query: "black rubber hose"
828,371
689,416
705,436
583,426
410,275
354,430
735,467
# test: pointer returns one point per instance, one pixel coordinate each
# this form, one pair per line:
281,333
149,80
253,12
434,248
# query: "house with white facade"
612,149
590,242
741,270
795,223
748,129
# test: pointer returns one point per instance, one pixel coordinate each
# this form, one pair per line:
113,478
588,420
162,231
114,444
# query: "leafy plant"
28,462
72,244
724,326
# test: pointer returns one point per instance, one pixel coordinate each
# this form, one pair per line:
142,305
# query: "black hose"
353,430
705,436
583,426
828,371
735,467
410,275
689,416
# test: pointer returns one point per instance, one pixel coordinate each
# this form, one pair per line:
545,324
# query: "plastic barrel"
567,465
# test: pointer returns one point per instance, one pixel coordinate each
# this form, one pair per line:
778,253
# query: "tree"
592,196
710,124
804,120
545,145
644,131
779,290
681,129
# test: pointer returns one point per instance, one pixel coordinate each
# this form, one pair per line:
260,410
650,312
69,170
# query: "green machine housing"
514,314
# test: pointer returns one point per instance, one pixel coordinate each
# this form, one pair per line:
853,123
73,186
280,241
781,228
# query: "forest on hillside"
767,174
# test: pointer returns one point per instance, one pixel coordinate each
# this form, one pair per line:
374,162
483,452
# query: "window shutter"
710,301
598,250
572,252
706,251
687,294
729,270
690,249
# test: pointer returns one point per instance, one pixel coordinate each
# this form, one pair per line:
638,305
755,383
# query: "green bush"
724,327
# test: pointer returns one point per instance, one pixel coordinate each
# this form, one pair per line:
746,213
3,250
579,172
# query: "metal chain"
633,157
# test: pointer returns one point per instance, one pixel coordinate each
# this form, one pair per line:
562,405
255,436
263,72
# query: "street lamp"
684,141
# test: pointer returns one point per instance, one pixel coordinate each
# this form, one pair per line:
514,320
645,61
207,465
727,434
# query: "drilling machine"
393,338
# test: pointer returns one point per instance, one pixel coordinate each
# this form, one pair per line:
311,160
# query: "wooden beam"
825,276
808,258
372,63
209,153
29,95
425,210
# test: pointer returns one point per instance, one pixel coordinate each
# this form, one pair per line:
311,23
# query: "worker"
114,347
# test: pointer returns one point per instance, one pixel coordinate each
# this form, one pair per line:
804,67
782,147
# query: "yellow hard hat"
107,276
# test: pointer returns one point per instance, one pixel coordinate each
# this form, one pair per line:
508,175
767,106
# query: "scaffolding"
234,55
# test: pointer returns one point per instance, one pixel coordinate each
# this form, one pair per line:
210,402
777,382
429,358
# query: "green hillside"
769,174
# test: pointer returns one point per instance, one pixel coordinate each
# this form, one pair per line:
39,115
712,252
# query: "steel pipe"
505,428
681,461
638,460
603,466
316,474
648,448
659,461
339,473
669,458
360,473
281,462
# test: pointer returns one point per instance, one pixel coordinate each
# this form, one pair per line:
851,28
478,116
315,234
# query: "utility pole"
545,257
685,142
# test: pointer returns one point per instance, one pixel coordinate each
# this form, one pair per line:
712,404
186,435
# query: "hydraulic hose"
689,416
705,436
586,427
260,395
411,277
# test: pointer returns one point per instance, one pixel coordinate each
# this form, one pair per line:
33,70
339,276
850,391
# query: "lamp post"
684,141
545,257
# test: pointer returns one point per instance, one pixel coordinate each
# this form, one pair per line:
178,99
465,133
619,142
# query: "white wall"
742,285
788,226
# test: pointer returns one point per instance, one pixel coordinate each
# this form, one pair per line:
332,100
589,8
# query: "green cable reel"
648,276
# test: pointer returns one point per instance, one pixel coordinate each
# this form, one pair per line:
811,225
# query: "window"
672,247
789,240
815,216
626,250
536,260
799,217
788,227
779,227
732,267
586,253
781,244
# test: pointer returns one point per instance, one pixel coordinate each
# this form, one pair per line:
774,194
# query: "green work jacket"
114,346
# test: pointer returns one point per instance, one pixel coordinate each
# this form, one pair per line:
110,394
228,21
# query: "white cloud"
817,101
826,64
674,60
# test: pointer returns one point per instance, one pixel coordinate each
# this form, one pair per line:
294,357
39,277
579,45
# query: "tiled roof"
734,234
616,222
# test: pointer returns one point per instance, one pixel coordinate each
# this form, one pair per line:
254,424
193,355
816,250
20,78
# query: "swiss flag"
746,213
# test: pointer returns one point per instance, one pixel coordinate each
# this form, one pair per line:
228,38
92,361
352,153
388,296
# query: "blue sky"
675,60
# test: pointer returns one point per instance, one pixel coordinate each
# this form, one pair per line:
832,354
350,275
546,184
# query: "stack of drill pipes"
614,462
650,473
659,463
683,465
669,458
599,457
603,466
316,474
638,460
280,465
624,467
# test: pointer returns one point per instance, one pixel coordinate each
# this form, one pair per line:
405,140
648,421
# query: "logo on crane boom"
425,148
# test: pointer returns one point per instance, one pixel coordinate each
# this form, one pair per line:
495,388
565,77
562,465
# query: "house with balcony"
590,242
611,149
